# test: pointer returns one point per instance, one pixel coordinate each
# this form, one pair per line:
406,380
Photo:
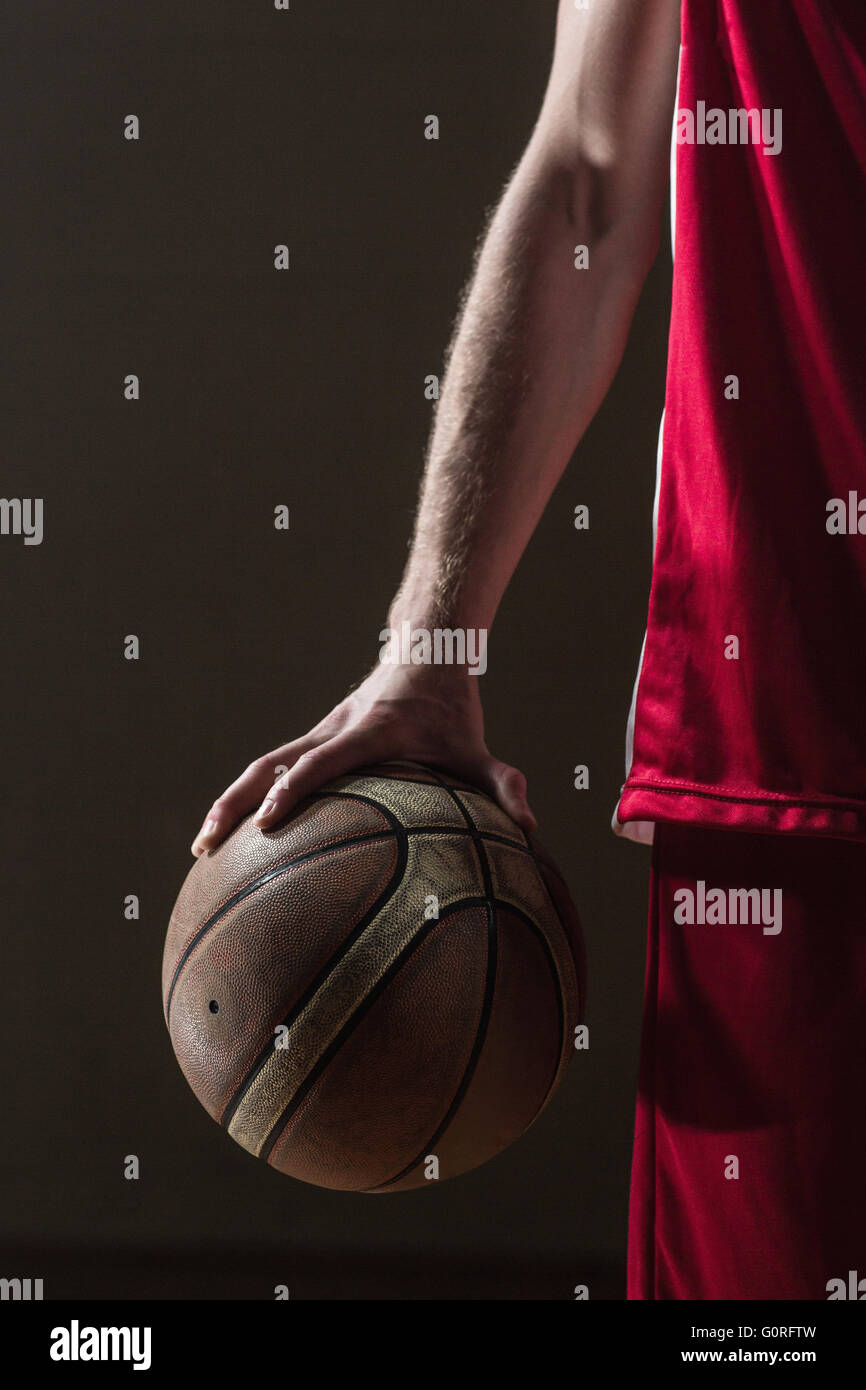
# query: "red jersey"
750,703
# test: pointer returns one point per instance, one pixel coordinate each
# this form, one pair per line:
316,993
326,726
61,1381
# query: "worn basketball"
381,991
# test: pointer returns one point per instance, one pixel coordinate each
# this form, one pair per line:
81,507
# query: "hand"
426,714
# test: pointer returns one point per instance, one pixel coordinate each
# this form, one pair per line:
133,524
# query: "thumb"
507,786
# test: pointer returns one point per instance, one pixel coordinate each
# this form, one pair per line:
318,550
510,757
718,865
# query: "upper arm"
606,119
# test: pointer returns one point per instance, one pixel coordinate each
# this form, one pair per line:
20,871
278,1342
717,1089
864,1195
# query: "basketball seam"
402,842
504,906
579,967
422,937
560,1001
472,829
322,1063
250,888
566,936
321,847
468,829
486,1003
490,901
320,852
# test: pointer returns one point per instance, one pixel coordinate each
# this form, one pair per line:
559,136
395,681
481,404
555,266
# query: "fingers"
278,781
246,792
507,786
317,766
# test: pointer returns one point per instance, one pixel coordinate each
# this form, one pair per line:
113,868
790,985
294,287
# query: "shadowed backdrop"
305,388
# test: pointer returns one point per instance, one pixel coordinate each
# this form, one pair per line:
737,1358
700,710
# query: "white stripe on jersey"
643,830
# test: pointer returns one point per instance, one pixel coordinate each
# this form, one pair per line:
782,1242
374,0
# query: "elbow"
617,224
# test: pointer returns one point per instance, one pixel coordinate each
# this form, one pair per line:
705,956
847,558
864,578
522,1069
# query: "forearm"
535,349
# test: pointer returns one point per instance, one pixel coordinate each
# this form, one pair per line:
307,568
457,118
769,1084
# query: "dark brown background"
306,388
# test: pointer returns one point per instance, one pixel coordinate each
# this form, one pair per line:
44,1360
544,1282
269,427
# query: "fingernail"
198,844
264,811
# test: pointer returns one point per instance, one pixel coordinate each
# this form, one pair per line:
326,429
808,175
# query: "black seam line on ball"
402,833
529,850
402,841
471,827
488,835
478,843
258,883
486,1006
560,1002
579,967
321,851
539,869
551,964
360,1012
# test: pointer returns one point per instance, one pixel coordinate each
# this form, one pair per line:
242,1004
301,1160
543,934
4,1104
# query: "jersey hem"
642,803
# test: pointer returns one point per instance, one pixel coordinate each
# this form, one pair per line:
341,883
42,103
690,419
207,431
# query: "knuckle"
383,715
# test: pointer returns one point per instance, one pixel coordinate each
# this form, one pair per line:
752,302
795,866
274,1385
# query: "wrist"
458,653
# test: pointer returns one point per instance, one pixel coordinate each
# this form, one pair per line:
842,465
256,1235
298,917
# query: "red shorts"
750,1142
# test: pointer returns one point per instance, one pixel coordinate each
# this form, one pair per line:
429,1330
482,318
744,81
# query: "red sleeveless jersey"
750,702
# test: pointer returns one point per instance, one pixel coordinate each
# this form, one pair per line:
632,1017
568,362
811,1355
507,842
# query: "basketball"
381,991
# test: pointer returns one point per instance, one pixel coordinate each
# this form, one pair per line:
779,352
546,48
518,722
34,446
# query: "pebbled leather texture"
336,1026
